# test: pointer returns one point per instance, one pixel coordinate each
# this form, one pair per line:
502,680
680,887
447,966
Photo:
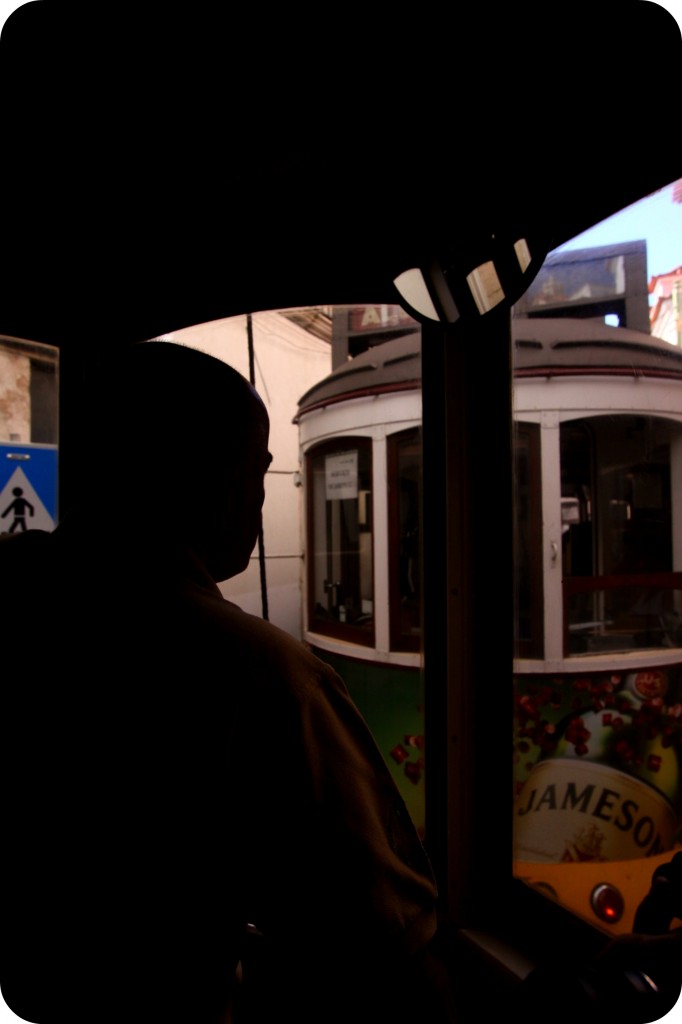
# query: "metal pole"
261,544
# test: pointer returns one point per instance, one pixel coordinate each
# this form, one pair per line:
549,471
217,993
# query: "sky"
658,220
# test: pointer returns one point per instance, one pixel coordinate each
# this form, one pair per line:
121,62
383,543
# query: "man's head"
182,450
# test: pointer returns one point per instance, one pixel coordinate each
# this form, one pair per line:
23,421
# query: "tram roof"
543,346
549,346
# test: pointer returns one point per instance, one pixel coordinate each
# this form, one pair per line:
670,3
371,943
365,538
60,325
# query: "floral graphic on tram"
401,755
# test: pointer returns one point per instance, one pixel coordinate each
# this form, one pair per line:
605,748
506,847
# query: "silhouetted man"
176,769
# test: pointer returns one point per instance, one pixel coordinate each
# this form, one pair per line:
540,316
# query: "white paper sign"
341,475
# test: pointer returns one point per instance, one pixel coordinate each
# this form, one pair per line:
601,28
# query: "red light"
607,902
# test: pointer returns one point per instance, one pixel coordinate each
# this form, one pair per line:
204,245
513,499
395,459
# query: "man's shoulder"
258,642
269,643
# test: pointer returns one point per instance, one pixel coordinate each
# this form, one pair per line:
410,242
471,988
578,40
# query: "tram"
598,648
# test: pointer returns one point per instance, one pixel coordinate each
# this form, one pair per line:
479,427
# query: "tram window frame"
363,635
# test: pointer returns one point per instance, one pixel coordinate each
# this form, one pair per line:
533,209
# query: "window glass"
620,591
404,474
527,528
341,582
598,564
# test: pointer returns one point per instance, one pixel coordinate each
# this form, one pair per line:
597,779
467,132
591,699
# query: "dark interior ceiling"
167,166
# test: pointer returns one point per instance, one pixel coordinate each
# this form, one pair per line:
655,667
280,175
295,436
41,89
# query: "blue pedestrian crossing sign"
28,487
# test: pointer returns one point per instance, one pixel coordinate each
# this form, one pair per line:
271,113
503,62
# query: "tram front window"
405,468
341,579
619,589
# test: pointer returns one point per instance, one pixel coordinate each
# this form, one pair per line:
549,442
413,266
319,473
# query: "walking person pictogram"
19,507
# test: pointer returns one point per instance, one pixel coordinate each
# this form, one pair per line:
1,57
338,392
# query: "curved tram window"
404,453
341,586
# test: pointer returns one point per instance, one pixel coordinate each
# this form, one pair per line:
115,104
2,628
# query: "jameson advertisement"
597,766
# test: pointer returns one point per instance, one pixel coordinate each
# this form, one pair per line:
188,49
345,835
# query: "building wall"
665,291
15,400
